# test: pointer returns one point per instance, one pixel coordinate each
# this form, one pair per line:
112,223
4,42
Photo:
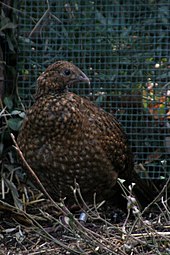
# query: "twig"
35,176
39,22
165,206
88,234
46,13
156,233
31,219
157,197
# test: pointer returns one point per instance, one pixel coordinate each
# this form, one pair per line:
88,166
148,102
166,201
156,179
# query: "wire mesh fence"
123,46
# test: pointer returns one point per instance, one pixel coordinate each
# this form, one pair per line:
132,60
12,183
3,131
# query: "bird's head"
59,76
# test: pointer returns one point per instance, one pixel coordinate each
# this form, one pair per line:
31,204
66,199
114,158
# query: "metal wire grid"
123,46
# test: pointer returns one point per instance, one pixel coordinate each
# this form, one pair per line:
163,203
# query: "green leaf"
8,102
10,44
100,99
14,124
7,25
163,75
18,202
17,112
22,115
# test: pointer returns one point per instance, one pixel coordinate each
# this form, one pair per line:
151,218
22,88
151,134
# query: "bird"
67,139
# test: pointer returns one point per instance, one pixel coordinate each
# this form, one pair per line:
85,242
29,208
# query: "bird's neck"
49,86
41,92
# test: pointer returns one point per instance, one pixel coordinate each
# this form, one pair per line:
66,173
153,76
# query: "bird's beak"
84,78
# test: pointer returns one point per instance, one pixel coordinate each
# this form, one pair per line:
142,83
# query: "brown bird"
66,138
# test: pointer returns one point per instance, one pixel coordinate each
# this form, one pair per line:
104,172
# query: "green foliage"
7,30
11,112
12,117
120,46
14,124
8,102
98,36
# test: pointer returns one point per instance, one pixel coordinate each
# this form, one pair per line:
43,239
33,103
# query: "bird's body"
66,138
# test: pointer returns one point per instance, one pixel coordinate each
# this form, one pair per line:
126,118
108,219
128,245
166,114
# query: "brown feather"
66,137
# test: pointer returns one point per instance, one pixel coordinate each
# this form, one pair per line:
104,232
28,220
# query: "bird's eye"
67,72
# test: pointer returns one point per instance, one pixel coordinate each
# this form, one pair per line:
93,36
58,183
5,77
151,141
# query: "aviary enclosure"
123,46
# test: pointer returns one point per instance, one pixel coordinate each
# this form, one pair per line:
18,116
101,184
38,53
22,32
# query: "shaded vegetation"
124,48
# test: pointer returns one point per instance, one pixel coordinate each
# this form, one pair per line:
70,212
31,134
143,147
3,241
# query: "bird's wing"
109,134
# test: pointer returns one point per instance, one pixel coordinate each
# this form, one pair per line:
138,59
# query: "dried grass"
39,225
